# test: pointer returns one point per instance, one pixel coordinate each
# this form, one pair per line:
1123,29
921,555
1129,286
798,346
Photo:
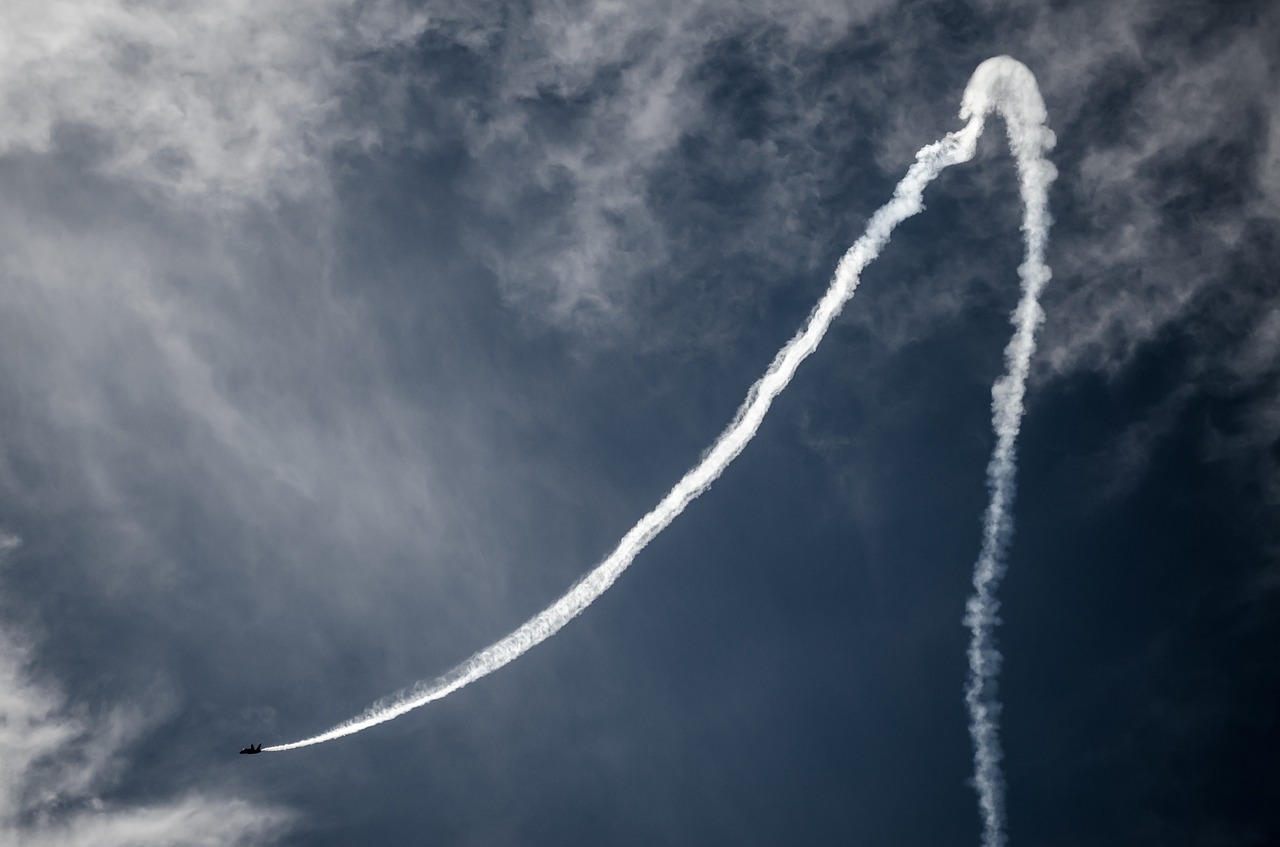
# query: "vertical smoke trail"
1006,86
999,84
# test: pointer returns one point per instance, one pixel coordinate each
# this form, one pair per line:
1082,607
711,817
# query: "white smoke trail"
1006,86
930,161
1000,84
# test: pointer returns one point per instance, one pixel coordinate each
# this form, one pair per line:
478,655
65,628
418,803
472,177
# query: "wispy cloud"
1168,185
224,101
583,112
59,762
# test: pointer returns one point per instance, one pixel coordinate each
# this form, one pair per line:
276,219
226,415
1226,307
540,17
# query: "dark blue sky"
338,340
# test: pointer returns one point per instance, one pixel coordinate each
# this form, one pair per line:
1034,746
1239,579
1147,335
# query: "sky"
337,339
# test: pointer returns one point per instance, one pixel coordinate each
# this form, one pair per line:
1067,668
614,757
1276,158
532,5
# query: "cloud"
58,763
623,152
220,101
582,111
1172,172
224,411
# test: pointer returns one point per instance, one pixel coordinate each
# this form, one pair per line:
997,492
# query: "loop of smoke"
1002,85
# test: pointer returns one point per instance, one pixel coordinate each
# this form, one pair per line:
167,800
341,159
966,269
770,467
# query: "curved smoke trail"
930,161
1000,84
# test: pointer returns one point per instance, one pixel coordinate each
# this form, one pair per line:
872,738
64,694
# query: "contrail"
930,161
1000,84
1006,86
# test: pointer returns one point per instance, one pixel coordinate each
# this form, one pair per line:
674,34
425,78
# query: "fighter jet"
250,750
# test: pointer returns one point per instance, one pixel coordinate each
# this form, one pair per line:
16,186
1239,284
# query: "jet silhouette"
250,750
